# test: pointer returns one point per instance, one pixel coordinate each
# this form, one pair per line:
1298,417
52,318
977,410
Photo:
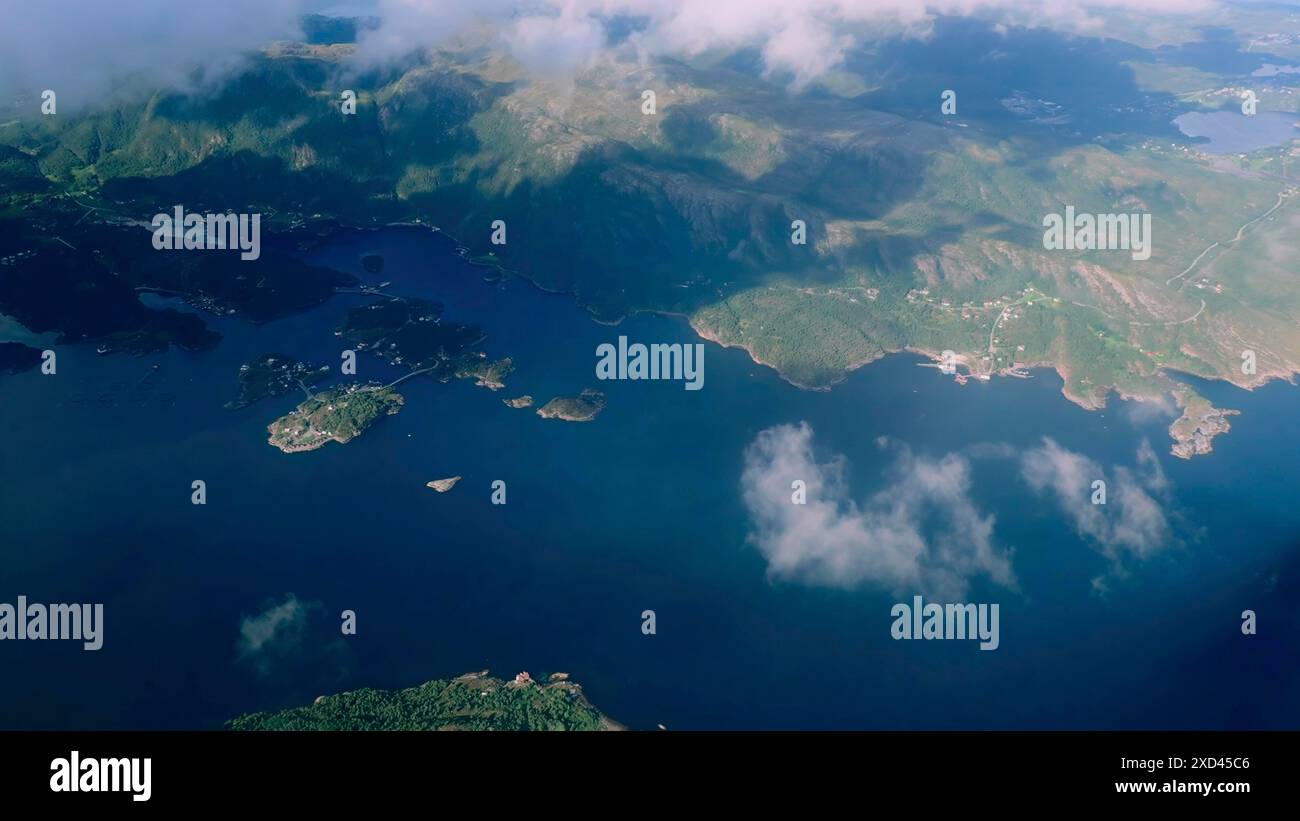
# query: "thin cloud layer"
799,39
293,641
276,632
90,52
922,533
1134,521
1150,409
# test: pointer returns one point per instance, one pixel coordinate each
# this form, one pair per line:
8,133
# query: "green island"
474,701
412,332
274,374
486,373
337,414
581,408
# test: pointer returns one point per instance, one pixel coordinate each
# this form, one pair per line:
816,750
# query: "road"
1281,198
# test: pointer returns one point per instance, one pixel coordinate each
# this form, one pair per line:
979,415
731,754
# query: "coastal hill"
473,701
337,414
581,408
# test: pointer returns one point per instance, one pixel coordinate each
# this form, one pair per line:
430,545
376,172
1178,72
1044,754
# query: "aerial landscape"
973,323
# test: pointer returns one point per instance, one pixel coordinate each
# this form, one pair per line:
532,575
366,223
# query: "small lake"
1231,132
1273,70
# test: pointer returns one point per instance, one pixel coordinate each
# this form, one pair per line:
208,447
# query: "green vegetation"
334,415
470,702
83,296
412,332
581,408
1194,431
274,374
487,374
20,171
322,30
921,236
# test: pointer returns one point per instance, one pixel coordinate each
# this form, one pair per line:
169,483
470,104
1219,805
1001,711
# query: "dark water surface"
640,509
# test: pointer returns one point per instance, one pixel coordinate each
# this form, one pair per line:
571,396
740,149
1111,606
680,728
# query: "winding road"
1281,198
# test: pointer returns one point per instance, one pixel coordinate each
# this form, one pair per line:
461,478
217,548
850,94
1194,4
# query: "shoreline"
1087,403
1198,441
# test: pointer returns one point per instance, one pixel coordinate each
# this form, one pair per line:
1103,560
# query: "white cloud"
921,534
1149,409
560,43
1134,522
294,646
801,38
275,633
89,51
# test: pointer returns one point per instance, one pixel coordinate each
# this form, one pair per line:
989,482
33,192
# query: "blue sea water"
639,509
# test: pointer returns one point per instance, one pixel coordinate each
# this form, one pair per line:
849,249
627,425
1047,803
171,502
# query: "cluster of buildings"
14,259
1204,283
